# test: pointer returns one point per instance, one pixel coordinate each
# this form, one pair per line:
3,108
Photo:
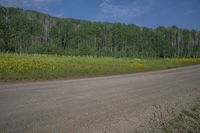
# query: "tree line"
24,31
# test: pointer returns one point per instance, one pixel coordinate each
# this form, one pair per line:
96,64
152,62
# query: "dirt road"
115,104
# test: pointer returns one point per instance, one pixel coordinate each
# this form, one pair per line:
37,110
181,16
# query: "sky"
148,13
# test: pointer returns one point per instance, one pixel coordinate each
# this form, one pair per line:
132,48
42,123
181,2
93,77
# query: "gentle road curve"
114,104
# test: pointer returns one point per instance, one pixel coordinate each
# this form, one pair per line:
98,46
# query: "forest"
31,32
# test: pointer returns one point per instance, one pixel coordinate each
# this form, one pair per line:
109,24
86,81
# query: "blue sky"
149,13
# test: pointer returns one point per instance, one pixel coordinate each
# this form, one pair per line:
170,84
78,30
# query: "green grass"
18,67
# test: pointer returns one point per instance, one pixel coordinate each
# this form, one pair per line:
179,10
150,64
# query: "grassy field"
19,67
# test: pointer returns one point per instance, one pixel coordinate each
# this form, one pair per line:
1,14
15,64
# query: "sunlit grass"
185,59
23,66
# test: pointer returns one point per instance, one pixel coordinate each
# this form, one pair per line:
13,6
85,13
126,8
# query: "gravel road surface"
113,104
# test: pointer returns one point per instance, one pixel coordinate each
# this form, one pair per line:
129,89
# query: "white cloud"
189,12
110,11
115,11
9,3
60,15
27,3
39,5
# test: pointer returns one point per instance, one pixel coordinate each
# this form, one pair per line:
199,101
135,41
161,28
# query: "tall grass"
23,66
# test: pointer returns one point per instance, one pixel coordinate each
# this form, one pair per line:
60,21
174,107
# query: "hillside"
33,32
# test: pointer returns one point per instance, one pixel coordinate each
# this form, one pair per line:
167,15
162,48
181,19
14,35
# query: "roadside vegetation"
188,121
23,66
174,120
78,44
